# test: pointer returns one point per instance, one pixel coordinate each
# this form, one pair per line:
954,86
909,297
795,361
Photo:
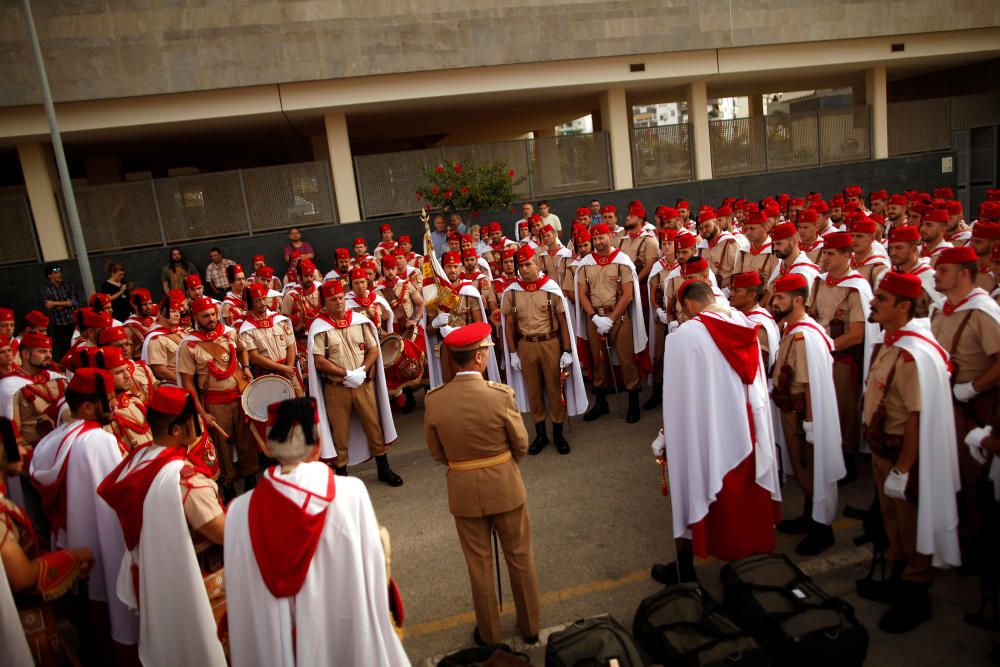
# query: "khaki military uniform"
835,308
466,311
872,272
552,265
568,283
791,378
162,351
812,250
347,347
657,285
535,318
722,258
643,250
221,399
481,448
898,398
605,286
201,503
128,422
763,263
986,280
302,307
400,298
136,332
36,409
370,307
272,342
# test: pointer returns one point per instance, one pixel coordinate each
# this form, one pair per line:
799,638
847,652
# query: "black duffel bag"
594,641
683,625
768,595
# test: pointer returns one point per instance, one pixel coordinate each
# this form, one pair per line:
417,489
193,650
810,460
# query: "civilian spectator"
59,298
295,242
527,210
216,282
119,291
475,231
455,223
548,217
595,211
177,269
439,235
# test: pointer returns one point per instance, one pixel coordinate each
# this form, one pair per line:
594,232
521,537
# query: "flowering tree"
476,188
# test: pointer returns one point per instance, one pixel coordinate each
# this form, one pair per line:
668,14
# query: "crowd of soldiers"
876,319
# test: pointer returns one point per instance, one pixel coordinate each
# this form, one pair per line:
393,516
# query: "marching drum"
403,363
256,397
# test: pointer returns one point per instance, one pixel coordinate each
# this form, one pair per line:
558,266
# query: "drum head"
392,348
262,392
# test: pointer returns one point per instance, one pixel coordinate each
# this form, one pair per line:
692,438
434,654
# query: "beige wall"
98,49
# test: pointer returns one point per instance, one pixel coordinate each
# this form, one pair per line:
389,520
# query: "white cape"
432,340
702,447
576,392
657,269
176,625
925,271
358,448
802,265
351,304
340,615
760,316
15,644
977,299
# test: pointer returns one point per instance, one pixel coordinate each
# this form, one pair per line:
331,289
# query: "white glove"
566,360
965,392
351,380
672,327
895,484
974,440
602,323
444,330
808,428
440,320
515,362
659,446
661,315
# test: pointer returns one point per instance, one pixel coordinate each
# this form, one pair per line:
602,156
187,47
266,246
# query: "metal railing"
178,209
19,241
789,141
919,126
569,164
661,154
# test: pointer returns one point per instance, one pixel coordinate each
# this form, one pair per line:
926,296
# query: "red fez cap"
878,195
93,319
783,197
6,315
451,258
836,201
608,209
723,211
853,191
469,252
785,230
360,240
524,253
837,241
548,228
661,211
99,300
748,279
454,236
706,213
682,241
920,208
38,340
405,238
790,282
367,265
815,196
583,212
202,304
169,400
295,254
522,224
358,274
237,268
257,291
904,234
693,266
901,284
40,320
863,226
682,203
936,215
385,228
989,210
582,236
897,200
332,287
259,258
756,218
772,212
307,266
494,226
192,281
637,210
470,337
852,217
807,215
342,253
954,207
993,194
508,252
668,234
684,286
92,382
466,238
265,272
536,218
600,228
821,207
110,358
943,193
959,255
796,202
399,252
111,335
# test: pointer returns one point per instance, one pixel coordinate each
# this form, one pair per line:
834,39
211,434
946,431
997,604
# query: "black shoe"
530,639
540,441
912,607
632,416
800,524
819,539
385,473
478,638
877,590
600,407
680,570
340,470
656,398
557,436
410,403
852,470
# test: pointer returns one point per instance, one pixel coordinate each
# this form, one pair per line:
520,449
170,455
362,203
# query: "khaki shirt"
568,283
162,351
642,250
537,312
126,415
272,342
792,352
670,297
464,312
345,347
553,266
872,272
904,392
657,287
986,280
979,341
764,264
200,497
604,283
400,298
835,303
722,258
193,359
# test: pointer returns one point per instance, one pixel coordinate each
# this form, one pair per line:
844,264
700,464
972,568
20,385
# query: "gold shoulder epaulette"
501,386
432,390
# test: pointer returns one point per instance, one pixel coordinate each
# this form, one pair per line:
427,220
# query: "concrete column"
342,166
756,104
875,96
701,148
615,114
39,181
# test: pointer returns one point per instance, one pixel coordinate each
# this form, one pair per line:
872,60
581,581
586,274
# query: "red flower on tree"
448,194
511,173
464,191
440,169
458,169
420,195
435,190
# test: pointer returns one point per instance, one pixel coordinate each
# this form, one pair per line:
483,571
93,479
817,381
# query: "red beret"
837,241
265,272
936,215
469,252
6,315
111,335
904,234
878,195
943,193
360,241
93,319
600,228
494,227
693,266
192,281
257,291
385,228
901,284
359,274
790,283
960,255
807,215
897,200
38,340
785,230
954,207
508,252
259,258
748,279
637,210
40,320
202,304
92,382
524,253
451,258
405,238
682,241
583,212
169,400
864,226
853,191
609,209
470,337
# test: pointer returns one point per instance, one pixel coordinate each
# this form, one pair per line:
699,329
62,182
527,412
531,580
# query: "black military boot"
880,590
541,439
800,524
632,416
681,570
819,539
385,473
410,401
340,470
557,436
912,607
656,398
600,406
851,466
